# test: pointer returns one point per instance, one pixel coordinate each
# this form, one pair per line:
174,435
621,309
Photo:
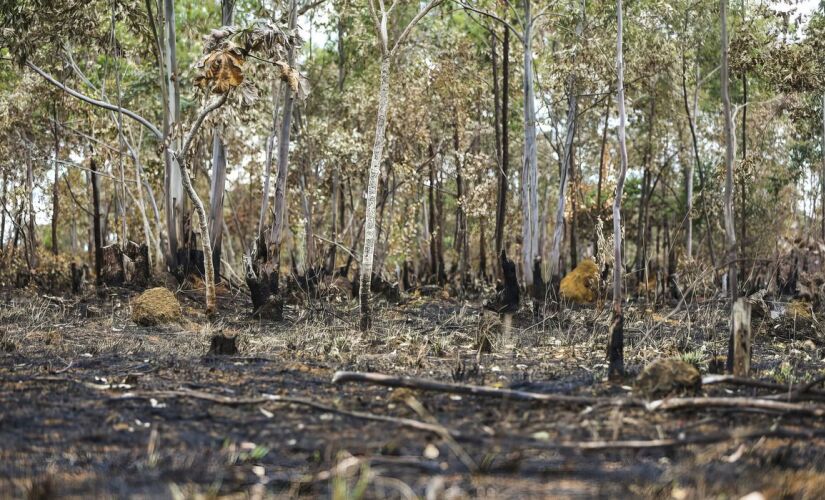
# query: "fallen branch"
640,444
736,403
476,390
533,443
793,391
270,398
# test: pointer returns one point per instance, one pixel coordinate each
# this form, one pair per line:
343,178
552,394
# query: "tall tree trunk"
55,185
173,183
730,230
32,230
743,188
218,172
96,235
372,192
602,160
216,192
3,212
615,350
567,165
501,205
574,194
641,260
270,150
822,172
278,225
529,173
695,141
431,219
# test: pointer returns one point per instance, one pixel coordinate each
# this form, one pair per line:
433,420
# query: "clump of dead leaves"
581,285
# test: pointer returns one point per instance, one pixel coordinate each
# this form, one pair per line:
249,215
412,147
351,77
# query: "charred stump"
79,274
262,280
507,297
112,273
539,286
222,345
615,349
137,268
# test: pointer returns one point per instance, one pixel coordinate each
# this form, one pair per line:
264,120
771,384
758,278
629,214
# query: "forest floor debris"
105,407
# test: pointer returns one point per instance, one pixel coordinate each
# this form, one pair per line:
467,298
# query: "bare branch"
217,103
423,12
493,17
95,102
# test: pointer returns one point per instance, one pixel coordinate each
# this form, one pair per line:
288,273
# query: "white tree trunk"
558,229
730,232
822,172
173,182
529,173
616,346
372,193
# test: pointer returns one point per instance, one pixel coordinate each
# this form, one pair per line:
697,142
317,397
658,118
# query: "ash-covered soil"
92,405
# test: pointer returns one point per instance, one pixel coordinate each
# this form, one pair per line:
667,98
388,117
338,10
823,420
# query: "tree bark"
602,158
173,182
3,212
529,174
55,190
730,231
218,171
822,172
181,157
216,199
567,165
372,191
501,203
98,243
616,346
278,225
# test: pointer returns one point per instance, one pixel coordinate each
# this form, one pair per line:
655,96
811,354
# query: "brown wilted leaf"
289,75
221,71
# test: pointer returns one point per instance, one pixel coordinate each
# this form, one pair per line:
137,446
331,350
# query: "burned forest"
436,249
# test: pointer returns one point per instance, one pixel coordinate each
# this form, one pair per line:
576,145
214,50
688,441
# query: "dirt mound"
581,285
156,306
664,377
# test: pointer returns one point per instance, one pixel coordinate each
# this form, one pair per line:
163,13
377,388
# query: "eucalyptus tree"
567,166
380,16
615,349
529,173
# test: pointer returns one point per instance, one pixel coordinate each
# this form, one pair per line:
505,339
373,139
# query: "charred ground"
100,406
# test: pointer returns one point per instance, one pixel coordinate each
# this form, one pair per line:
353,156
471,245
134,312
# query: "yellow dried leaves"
289,75
221,71
581,285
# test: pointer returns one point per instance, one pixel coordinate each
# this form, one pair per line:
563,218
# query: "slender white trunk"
730,233
558,230
616,346
173,182
270,149
529,173
283,156
822,172
372,194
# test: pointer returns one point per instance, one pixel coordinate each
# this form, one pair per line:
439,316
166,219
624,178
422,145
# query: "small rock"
665,377
156,306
